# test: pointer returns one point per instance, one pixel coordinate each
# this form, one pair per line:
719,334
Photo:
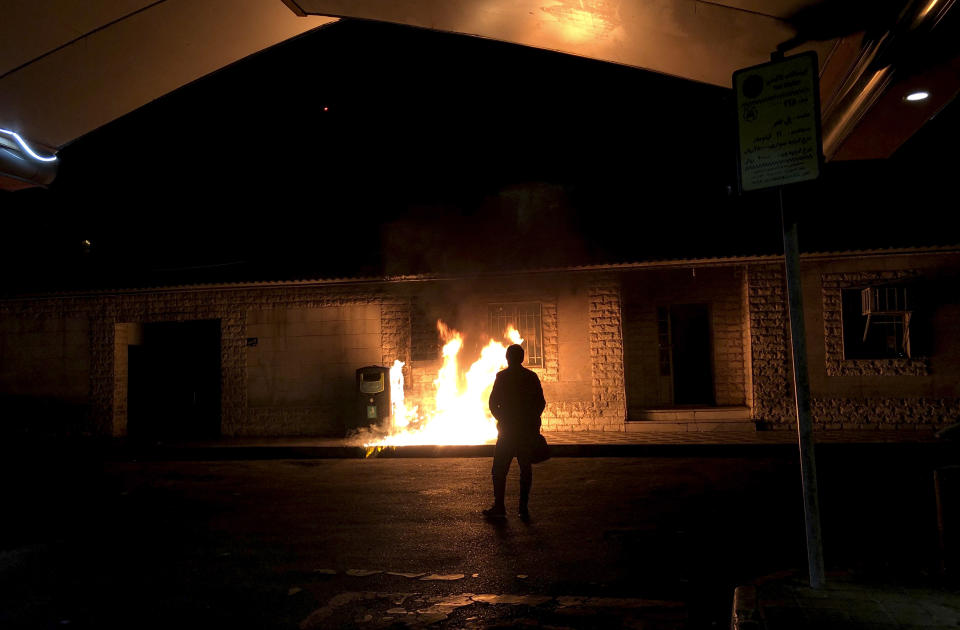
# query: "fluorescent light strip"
26,148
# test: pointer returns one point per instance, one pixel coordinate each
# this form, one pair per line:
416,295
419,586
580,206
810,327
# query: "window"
844,324
525,317
876,322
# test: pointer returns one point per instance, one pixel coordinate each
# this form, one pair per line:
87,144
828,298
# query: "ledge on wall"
692,419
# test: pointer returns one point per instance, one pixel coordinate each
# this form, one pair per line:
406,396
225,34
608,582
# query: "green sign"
778,122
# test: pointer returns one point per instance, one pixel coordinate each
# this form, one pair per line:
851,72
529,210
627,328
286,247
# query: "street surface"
655,542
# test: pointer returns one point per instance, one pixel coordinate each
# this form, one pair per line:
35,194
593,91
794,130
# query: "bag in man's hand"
540,451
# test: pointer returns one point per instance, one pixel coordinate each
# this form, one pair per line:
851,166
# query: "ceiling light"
917,96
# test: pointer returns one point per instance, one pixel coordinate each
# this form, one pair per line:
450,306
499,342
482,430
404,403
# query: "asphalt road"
613,542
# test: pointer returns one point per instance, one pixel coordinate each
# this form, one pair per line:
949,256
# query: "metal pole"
808,465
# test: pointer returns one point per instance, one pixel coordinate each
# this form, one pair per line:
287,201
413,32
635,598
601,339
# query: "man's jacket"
517,401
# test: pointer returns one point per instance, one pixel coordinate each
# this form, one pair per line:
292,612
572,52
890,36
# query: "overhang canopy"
68,68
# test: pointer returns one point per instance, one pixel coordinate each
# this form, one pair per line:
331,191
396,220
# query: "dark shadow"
174,382
500,526
692,371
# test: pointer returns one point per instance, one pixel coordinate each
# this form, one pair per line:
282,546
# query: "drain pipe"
21,166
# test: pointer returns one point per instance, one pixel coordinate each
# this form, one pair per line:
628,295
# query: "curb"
224,451
558,451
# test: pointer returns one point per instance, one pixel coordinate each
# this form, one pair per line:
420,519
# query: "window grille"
525,317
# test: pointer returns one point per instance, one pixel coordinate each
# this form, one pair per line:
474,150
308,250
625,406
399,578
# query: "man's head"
514,355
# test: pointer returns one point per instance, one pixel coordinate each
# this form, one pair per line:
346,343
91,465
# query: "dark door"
692,373
174,387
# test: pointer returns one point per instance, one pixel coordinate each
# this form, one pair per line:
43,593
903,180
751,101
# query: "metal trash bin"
373,395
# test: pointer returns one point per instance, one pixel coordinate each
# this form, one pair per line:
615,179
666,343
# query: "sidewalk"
788,603
562,444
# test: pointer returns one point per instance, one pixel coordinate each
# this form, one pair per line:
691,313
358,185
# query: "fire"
460,414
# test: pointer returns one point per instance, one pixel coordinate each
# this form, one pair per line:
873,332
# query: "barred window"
525,317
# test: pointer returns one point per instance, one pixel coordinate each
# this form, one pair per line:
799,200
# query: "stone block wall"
914,413
606,353
44,372
770,356
103,419
905,401
727,327
832,284
240,312
841,398
551,350
123,336
746,339
107,314
582,320
234,414
395,332
605,410
301,373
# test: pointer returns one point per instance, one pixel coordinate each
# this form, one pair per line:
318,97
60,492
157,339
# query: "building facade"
689,345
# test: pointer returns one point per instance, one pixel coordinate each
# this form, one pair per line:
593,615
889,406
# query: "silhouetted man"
516,401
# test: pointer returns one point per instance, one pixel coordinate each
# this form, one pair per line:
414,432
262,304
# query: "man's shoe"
524,514
497,511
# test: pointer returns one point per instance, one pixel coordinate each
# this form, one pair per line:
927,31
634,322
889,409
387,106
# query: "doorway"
174,382
690,354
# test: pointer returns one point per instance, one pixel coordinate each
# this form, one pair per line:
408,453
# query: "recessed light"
917,96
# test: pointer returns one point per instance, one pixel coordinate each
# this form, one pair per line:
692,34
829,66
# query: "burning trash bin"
373,395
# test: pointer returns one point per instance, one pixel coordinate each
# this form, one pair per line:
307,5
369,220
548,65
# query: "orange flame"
461,414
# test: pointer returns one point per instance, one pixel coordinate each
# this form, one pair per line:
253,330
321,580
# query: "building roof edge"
665,263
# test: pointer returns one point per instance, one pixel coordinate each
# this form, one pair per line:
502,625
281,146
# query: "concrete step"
689,426
694,414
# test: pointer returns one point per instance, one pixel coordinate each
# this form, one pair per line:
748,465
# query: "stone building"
688,345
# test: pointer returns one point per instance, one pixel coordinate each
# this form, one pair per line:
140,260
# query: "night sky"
363,149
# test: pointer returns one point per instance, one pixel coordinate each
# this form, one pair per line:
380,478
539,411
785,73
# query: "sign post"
778,124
